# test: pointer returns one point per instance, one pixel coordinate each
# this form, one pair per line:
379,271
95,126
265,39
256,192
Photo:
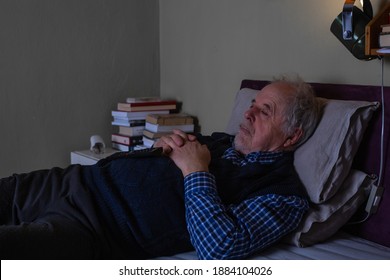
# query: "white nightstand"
86,157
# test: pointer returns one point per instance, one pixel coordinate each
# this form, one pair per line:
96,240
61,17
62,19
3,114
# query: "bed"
339,179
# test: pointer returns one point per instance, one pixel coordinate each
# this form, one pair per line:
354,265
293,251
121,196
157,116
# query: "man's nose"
249,114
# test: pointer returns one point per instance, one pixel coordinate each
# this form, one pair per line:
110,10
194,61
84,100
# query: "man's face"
261,129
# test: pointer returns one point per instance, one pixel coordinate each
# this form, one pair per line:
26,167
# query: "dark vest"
142,199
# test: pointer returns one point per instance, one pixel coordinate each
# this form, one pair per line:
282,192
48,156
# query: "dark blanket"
49,214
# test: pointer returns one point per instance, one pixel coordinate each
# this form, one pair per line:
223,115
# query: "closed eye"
265,112
265,109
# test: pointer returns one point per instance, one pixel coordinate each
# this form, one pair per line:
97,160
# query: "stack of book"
157,125
384,36
130,117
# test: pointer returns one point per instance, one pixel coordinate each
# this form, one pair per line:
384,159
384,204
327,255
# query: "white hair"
303,110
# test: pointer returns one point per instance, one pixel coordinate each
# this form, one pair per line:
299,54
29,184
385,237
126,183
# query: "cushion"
325,159
325,219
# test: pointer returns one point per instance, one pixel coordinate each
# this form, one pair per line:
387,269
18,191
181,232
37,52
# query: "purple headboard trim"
377,227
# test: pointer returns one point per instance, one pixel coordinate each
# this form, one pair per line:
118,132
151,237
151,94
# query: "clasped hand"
186,151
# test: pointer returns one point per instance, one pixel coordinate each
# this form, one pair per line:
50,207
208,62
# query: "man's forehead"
274,96
277,90
271,94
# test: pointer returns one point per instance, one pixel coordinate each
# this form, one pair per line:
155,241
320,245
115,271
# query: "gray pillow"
324,161
325,219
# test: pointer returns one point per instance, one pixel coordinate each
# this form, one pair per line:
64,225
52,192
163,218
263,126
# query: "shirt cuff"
199,182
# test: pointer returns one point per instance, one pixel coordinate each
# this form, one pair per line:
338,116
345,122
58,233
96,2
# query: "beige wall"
209,46
63,66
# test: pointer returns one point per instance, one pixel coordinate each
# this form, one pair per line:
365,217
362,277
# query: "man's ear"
293,139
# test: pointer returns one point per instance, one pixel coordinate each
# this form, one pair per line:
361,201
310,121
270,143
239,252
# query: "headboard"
367,159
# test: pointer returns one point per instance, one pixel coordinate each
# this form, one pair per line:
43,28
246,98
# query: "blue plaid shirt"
221,231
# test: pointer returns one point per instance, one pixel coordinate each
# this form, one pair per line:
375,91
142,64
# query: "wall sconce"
349,27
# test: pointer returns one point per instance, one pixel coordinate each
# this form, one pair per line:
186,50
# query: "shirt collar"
255,157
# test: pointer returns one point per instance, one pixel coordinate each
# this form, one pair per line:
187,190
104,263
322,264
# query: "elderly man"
225,196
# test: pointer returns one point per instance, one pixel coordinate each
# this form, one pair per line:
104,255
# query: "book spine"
151,103
131,115
130,123
170,119
148,142
384,39
121,147
140,122
154,135
131,131
167,128
126,107
126,140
